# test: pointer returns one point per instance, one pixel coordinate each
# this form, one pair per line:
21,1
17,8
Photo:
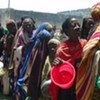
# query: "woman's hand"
57,61
30,43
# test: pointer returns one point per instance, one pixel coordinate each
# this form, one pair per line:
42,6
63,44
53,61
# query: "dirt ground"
2,97
96,96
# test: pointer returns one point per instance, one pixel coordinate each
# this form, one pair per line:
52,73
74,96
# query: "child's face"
52,50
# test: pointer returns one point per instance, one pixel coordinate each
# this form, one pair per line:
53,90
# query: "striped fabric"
86,76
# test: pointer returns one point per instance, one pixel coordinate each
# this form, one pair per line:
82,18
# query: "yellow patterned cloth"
86,75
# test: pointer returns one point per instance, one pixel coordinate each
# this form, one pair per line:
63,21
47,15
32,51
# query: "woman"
71,51
87,72
22,42
29,63
8,45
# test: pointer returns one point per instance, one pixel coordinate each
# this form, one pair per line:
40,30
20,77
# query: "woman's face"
74,29
28,25
12,28
89,24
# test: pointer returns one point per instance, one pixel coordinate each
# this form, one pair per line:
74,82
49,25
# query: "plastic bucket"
63,75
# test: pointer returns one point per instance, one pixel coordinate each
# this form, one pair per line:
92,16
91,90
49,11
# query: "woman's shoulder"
63,44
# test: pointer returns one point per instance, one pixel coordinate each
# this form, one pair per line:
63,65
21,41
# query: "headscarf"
11,26
95,12
10,21
49,27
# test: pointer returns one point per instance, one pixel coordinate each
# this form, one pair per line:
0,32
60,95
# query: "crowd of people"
28,53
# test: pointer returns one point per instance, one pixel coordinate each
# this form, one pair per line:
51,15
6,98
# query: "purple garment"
22,39
36,71
36,63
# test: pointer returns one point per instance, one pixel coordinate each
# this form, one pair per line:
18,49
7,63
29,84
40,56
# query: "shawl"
69,53
86,76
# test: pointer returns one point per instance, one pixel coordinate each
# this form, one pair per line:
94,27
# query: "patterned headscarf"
95,12
27,21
